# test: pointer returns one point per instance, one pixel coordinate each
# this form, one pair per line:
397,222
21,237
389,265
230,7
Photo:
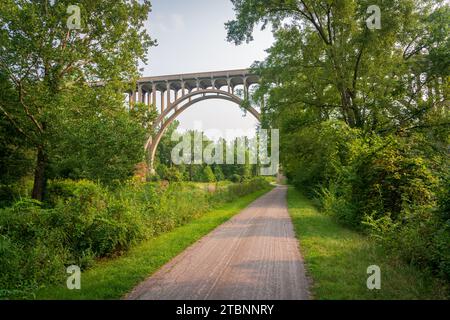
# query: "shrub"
389,188
422,240
218,173
208,175
236,178
31,251
174,174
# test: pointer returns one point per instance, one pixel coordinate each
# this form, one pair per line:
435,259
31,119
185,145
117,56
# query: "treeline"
363,114
167,170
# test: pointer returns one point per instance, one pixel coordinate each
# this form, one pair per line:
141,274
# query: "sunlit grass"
337,259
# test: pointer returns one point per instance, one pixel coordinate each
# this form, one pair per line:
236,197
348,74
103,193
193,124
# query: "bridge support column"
149,100
151,162
144,97
162,101
154,94
140,93
245,87
168,95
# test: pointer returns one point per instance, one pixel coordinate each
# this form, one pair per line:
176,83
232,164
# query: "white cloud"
178,21
173,22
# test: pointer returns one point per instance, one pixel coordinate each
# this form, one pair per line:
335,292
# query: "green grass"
112,279
337,259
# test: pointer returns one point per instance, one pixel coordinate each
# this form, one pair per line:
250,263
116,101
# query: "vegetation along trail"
254,255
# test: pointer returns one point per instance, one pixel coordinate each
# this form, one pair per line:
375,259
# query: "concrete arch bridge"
173,94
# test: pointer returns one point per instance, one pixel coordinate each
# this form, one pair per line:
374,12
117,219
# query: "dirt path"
253,256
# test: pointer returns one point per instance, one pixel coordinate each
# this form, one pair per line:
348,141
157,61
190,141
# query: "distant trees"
208,175
218,173
201,172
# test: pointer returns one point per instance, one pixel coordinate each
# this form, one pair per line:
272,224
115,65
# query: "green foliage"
31,252
173,173
241,189
236,178
218,173
314,154
390,188
102,149
422,240
208,175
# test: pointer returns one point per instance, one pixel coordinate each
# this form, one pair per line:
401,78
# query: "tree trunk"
40,179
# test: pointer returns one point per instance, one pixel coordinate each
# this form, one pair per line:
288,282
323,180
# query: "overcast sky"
192,38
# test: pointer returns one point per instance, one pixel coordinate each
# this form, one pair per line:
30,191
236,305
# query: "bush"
218,173
316,154
385,186
31,251
236,178
208,175
172,174
422,240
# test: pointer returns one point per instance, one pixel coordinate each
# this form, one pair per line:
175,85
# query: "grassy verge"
112,279
337,259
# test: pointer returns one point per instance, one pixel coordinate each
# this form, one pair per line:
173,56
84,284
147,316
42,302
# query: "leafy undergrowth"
337,259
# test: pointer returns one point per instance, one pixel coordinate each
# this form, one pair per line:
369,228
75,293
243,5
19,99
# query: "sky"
191,37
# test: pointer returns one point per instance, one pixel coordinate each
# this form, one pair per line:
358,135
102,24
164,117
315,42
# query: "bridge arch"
194,88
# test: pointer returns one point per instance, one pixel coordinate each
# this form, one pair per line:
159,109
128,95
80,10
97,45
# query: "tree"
328,62
208,175
47,65
104,149
218,173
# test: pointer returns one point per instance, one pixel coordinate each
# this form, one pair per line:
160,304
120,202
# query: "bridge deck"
190,81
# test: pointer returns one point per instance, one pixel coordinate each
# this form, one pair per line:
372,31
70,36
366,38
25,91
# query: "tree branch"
16,126
355,74
27,110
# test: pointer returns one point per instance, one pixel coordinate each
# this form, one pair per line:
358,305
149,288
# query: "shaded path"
252,256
